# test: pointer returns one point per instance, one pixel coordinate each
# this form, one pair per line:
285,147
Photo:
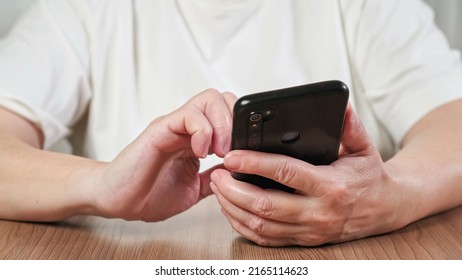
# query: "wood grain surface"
203,233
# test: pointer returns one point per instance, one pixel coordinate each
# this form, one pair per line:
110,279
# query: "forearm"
429,166
37,185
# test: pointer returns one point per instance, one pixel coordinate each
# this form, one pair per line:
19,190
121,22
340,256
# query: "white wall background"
9,11
449,19
448,16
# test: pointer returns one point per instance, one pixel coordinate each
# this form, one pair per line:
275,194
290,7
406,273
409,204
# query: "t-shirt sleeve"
404,62
44,66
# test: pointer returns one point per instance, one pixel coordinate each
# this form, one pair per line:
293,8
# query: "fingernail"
205,152
232,161
226,148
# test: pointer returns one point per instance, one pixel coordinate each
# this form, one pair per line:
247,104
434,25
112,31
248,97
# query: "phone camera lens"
255,126
255,118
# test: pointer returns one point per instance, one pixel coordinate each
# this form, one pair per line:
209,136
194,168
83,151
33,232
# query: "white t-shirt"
100,71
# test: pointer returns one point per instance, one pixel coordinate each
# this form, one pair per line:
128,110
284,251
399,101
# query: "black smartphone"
304,122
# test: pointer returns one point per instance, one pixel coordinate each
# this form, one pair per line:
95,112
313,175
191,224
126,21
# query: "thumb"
355,138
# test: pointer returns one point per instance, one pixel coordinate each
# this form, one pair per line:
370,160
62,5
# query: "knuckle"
230,95
285,173
202,99
328,227
257,225
326,222
263,206
340,196
212,91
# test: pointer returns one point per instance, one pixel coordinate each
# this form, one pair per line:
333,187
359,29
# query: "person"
119,79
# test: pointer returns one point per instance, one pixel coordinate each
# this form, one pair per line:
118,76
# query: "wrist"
85,183
407,195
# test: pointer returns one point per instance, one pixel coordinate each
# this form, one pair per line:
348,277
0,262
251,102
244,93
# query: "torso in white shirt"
110,67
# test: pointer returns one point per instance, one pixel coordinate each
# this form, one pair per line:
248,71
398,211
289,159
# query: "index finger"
288,171
207,118
216,108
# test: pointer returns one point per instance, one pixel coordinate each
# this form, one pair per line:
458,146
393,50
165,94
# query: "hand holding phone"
304,122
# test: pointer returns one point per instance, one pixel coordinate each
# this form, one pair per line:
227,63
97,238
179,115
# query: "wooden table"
204,233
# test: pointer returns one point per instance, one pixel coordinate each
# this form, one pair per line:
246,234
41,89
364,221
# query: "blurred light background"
9,12
448,16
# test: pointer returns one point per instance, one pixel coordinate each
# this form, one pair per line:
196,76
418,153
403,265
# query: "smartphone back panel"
303,122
